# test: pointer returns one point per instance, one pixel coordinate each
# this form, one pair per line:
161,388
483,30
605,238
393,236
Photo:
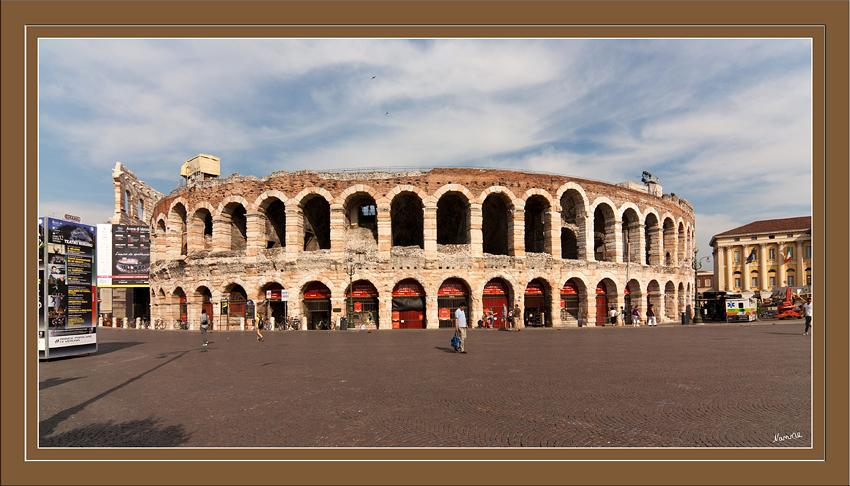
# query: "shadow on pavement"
135,433
447,350
104,348
54,381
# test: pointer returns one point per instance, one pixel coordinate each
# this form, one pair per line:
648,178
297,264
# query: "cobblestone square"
715,385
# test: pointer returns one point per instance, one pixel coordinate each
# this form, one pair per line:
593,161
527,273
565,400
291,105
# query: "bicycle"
293,323
159,324
179,325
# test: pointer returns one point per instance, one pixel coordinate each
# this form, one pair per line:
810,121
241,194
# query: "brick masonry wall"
254,267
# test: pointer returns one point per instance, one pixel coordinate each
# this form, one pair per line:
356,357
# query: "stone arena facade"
416,244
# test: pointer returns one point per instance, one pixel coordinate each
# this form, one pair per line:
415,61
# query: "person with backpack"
636,317
205,323
460,326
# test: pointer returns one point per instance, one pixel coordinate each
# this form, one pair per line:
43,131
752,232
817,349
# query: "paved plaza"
716,385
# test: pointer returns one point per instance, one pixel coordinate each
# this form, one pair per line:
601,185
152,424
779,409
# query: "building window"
755,282
771,237
736,239
790,280
773,281
709,284
808,279
737,282
789,235
752,237
808,252
737,256
809,233
771,252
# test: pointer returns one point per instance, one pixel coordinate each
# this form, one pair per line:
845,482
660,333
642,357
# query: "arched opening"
160,241
141,212
275,225
536,222
361,221
538,301
680,254
453,219
603,233
317,304
233,306
606,299
669,301
203,296
496,224
496,297
452,293
652,240
682,301
317,224
654,298
631,237
237,228
408,220
273,302
408,305
126,206
361,304
572,225
201,230
180,310
572,294
177,221
669,242
632,298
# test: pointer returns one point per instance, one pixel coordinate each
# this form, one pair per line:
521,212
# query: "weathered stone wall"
279,254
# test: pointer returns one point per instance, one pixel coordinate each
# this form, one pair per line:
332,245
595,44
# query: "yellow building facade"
764,255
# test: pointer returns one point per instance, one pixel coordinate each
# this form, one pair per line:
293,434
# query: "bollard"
100,321
138,323
271,322
241,323
124,320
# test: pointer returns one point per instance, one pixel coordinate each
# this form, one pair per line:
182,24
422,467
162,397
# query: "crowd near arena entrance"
452,293
317,304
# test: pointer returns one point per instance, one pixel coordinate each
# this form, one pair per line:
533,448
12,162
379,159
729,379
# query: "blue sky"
724,123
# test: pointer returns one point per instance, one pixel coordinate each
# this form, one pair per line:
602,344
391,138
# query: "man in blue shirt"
460,326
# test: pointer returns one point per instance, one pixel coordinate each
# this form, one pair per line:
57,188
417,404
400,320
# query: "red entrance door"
495,299
601,305
408,305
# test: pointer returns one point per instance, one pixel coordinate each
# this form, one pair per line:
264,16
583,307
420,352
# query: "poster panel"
70,311
124,255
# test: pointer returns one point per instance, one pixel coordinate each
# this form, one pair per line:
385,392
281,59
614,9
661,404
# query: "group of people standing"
619,318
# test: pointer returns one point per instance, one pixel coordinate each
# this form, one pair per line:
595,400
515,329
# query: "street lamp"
350,268
697,264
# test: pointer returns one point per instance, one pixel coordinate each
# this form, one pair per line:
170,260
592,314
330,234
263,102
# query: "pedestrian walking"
636,317
205,323
651,320
580,317
517,315
504,315
510,321
260,337
622,321
460,327
807,312
613,315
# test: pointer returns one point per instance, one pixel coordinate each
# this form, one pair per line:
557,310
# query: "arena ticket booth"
535,304
569,303
362,300
452,293
408,305
276,304
317,303
601,304
495,300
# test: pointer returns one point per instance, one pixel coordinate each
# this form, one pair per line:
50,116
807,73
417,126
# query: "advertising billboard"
123,255
67,321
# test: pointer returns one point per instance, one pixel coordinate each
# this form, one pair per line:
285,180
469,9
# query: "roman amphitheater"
403,249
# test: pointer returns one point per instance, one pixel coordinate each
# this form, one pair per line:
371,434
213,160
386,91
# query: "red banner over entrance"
363,289
600,289
535,287
317,290
496,287
408,288
452,286
569,288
